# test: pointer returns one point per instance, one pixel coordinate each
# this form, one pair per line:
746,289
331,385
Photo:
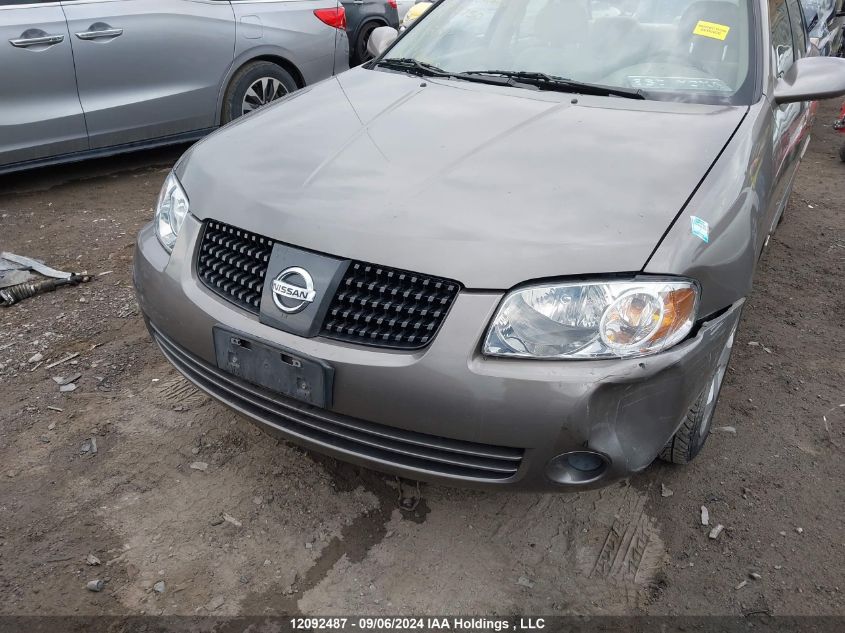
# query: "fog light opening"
577,467
585,462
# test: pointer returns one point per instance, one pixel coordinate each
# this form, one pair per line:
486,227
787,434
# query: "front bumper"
446,413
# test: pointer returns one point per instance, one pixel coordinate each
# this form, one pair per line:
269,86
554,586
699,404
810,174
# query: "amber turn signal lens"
678,310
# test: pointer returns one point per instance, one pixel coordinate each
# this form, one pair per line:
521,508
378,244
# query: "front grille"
374,305
383,445
388,308
233,263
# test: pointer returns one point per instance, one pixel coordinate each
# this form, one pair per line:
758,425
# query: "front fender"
733,200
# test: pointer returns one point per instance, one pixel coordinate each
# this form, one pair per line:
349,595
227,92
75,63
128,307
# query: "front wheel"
842,153
690,438
254,86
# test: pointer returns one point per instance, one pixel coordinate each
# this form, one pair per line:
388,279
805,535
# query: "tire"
690,438
254,86
842,153
359,51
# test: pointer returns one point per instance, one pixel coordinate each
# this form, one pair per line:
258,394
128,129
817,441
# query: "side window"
782,48
798,32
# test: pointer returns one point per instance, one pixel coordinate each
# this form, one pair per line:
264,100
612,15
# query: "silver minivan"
82,78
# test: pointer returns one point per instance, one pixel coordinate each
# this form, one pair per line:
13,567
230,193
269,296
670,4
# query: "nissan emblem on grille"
293,290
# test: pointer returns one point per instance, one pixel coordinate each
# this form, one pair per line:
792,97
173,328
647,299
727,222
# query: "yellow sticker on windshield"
711,29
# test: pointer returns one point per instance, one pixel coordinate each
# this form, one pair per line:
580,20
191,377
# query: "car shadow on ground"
45,178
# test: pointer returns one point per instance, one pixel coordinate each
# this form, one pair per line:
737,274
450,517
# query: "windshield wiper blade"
562,84
416,67
514,78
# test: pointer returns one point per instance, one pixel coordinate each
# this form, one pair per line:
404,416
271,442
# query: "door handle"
97,35
42,40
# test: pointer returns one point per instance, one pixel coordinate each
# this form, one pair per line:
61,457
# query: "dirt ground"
269,528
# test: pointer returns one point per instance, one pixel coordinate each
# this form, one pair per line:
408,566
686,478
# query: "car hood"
486,185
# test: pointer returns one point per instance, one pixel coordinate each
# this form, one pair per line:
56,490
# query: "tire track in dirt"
632,551
177,393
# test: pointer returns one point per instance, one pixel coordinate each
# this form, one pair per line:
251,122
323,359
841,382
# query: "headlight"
171,211
611,319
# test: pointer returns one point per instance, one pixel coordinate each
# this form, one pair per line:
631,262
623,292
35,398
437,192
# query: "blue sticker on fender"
700,229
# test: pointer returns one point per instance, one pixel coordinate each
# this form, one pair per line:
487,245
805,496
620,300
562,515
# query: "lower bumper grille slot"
406,449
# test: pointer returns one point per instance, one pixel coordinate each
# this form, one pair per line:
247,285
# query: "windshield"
683,50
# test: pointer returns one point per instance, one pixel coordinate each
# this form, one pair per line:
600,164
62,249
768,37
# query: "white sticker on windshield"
677,83
700,229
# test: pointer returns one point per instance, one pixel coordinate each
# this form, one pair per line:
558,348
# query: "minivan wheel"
360,53
690,438
254,86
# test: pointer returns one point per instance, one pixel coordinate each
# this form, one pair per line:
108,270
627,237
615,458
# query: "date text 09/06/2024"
431,623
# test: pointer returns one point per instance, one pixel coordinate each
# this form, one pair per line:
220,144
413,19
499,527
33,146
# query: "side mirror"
380,39
812,79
